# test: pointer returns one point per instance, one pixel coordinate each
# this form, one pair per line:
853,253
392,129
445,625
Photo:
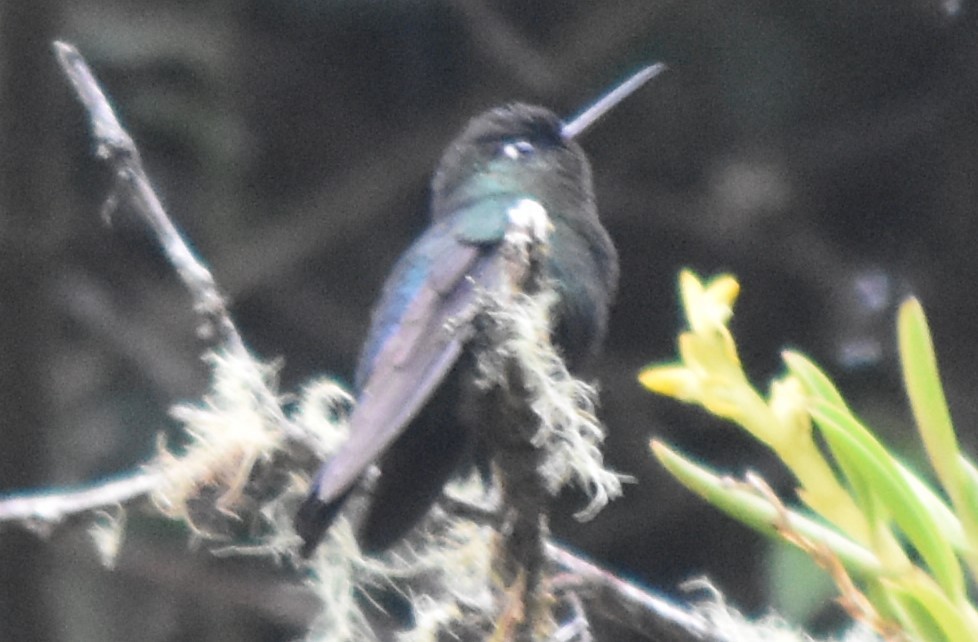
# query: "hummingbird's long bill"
590,115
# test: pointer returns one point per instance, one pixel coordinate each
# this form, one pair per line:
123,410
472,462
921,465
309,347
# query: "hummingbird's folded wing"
420,326
415,354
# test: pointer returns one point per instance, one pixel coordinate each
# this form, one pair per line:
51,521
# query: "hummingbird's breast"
583,266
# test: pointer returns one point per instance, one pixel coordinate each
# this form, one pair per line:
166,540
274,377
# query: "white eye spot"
518,149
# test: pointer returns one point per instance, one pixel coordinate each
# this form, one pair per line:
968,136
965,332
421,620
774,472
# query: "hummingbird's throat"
528,223
525,244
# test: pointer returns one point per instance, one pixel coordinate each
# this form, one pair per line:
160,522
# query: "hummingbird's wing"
414,353
422,322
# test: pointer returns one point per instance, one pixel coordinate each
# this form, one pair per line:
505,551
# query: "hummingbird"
414,414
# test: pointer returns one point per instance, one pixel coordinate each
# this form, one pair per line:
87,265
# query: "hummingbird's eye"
516,149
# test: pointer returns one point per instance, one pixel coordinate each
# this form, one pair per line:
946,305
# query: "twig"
116,146
621,601
631,606
578,628
49,508
636,608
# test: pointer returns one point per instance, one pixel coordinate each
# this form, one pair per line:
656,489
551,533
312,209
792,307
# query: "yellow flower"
709,366
709,374
708,305
675,381
789,404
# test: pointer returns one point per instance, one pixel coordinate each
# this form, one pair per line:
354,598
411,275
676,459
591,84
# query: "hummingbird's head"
527,152
515,149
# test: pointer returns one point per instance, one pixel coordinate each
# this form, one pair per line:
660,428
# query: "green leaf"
757,512
923,383
924,609
926,394
819,386
862,486
946,520
816,382
969,486
850,440
966,505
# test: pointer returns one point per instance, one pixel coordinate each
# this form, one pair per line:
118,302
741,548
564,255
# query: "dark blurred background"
825,152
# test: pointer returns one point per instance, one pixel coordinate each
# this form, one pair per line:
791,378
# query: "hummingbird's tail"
314,518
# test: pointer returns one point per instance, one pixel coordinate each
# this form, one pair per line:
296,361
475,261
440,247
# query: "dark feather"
416,372
417,334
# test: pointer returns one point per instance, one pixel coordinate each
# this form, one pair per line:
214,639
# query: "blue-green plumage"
415,375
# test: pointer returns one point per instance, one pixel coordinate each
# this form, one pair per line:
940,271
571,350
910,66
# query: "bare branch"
638,609
49,508
116,146
578,627
617,599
